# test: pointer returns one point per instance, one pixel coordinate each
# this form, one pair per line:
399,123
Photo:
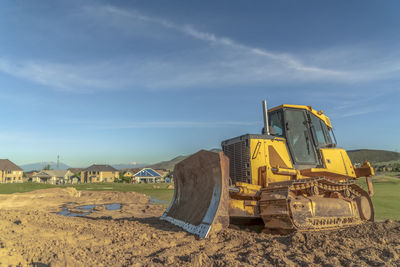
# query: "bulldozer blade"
201,196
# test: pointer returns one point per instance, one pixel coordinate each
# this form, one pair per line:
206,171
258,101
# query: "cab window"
321,131
276,123
298,137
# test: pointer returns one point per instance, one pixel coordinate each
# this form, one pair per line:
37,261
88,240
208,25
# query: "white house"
147,175
53,177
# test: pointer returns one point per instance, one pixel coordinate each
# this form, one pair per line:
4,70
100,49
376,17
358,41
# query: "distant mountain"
40,165
170,164
124,166
216,150
373,156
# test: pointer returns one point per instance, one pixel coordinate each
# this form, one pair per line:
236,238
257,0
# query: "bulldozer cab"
305,133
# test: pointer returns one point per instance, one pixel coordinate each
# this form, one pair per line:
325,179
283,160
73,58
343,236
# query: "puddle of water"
88,208
158,201
85,209
114,206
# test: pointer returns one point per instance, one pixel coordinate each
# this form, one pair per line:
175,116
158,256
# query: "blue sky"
145,81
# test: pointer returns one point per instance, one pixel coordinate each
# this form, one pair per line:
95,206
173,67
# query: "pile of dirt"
33,234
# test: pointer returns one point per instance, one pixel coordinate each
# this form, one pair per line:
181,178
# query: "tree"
47,167
123,178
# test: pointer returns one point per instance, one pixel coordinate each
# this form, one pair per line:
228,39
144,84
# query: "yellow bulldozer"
292,176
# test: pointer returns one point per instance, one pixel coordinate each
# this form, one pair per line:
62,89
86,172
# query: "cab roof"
319,114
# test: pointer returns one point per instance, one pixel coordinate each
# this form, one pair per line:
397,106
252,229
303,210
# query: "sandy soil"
33,234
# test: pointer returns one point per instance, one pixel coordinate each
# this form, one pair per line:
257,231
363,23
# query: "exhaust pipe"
265,112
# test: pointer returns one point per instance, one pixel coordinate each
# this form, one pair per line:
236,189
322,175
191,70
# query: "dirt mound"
33,234
52,192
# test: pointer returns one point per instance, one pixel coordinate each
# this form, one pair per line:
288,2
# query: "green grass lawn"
386,199
161,193
23,187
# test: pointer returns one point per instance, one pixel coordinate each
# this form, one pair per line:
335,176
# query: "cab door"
299,138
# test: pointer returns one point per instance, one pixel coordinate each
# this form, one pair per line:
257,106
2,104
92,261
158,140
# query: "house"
129,172
77,173
27,177
75,179
53,177
99,173
162,172
9,172
169,178
147,175
76,170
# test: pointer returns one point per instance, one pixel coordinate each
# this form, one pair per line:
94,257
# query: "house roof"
30,173
133,171
75,170
8,165
147,172
51,173
100,168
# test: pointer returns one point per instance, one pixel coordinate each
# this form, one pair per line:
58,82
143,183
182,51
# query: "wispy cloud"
288,60
105,125
358,110
59,76
22,138
350,106
224,62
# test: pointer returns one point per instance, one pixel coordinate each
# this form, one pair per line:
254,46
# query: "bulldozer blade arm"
201,196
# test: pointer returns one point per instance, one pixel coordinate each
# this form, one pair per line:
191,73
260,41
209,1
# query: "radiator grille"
239,161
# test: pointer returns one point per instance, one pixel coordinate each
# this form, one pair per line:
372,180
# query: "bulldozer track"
292,204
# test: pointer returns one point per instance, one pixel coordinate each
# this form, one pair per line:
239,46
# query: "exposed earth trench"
33,234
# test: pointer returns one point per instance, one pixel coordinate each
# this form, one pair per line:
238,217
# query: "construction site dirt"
33,233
